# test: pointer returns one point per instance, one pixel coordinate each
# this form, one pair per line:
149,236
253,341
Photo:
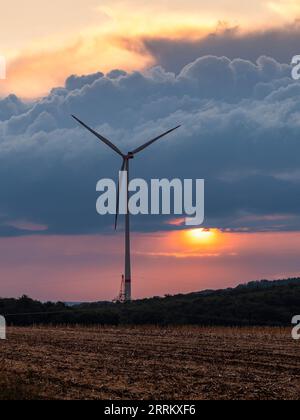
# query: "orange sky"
58,38
90,267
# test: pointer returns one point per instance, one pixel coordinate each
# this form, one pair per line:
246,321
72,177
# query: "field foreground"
149,363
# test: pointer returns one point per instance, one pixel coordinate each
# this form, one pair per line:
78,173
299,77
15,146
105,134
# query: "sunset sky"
132,69
62,37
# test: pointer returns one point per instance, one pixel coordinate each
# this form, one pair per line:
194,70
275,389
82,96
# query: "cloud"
11,106
33,72
281,43
240,131
180,255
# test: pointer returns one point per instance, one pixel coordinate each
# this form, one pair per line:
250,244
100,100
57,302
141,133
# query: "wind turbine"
125,168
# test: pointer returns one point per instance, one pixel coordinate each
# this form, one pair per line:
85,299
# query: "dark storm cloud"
281,44
241,131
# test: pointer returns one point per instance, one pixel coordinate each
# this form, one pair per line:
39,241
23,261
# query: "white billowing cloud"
240,131
11,106
77,82
122,99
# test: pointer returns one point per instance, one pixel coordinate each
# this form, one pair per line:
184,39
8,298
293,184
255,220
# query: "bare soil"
149,363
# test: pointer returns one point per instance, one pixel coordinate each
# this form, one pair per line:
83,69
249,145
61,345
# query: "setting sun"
201,235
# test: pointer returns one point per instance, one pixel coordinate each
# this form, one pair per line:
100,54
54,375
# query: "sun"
201,235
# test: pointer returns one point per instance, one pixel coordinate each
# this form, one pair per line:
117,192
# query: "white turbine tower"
125,168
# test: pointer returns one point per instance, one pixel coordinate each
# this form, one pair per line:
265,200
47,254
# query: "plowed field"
149,363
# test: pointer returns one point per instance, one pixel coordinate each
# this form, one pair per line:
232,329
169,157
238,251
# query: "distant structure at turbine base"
122,295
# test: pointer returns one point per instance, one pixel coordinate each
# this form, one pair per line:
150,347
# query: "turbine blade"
144,146
105,140
118,195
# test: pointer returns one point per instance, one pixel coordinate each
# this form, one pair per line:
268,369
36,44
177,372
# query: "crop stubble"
152,363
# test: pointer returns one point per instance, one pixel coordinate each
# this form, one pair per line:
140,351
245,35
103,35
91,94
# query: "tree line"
258,303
